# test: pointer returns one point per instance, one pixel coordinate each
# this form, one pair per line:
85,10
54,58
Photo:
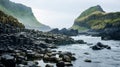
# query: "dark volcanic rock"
68,64
20,59
48,65
1,65
8,60
100,46
80,42
27,46
64,31
67,56
111,33
87,60
60,64
20,47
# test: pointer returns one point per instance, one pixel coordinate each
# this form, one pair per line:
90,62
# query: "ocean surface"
99,58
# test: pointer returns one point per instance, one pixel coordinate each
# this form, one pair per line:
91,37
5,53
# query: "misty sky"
62,13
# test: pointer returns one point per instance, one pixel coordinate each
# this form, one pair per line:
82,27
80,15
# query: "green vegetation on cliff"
11,21
90,11
22,13
96,20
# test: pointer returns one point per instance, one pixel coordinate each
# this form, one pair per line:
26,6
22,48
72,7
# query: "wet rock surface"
8,60
88,60
100,46
20,49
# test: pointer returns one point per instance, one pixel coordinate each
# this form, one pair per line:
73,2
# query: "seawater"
99,58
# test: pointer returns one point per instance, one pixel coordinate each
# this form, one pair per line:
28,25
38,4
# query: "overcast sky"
62,13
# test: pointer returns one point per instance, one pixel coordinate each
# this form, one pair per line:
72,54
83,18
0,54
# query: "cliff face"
22,13
91,10
97,20
9,23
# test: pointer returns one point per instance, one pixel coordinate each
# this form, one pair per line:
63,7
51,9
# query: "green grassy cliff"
22,13
96,19
91,10
9,20
9,24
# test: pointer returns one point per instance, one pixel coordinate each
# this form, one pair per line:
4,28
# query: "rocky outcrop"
91,10
28,46
88,60
96,20
82,22
100,46
20,47
9,24
111,33
64,31
8,60
23,13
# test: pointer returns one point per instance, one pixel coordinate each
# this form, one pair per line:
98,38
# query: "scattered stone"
66,58
86,53
8,60
89,44
68,64
46,58
100,46
60,64
80,42
20,59
1,65
31,64
53,59
87,60
23,46
73,58
48,65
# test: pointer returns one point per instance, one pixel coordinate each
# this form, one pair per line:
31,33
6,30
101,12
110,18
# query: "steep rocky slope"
22,13
8,24
94,18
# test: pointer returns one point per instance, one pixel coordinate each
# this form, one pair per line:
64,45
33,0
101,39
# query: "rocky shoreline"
106,34
64,31
22,48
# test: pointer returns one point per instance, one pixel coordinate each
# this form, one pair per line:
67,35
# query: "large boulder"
8,60
68,64
30,55
48,65
67,56
53,59
60,64
100,46
88,60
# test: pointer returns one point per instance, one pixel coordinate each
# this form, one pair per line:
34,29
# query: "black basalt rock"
60,64
8,60
100,46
